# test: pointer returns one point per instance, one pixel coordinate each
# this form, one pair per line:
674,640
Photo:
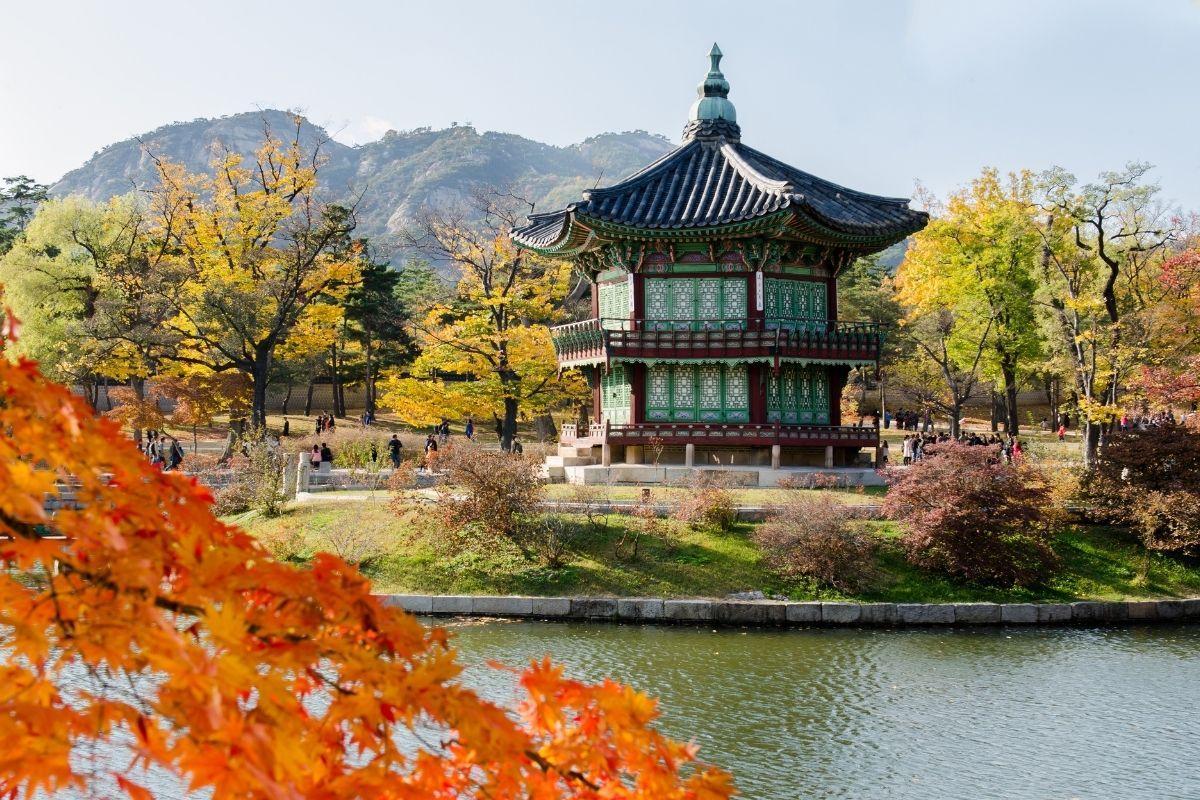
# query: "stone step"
568,461
572,450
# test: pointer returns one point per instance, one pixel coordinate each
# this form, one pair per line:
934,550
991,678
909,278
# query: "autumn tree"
1102,244
90,277
487,350
943,371
258,253
979,259
139,623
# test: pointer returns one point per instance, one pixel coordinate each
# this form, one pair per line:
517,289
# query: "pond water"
983,713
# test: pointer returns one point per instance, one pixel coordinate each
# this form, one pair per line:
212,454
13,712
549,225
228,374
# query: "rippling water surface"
995,713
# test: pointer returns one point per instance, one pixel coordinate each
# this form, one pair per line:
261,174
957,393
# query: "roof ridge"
642,176
747,171
789,169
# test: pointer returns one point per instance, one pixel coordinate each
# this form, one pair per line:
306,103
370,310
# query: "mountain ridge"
397,174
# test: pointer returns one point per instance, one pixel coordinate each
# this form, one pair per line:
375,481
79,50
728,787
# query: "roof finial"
712,114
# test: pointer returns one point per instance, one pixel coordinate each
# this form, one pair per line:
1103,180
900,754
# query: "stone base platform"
645,474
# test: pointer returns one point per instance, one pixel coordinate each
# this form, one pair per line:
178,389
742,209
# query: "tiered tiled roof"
712,180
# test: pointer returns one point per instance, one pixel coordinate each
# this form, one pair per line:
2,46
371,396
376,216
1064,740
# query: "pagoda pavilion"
714,337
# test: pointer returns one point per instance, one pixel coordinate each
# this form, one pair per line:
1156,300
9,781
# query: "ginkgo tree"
258,254
486,350
136,621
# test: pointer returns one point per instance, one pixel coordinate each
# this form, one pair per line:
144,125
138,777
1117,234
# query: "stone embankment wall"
782,614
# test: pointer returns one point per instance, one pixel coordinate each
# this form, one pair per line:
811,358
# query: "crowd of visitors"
162,450
1008,448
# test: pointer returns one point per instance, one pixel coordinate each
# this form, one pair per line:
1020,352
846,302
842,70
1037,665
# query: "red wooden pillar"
754,301
595,300
837,382
597,389
831,297
757,379
637,393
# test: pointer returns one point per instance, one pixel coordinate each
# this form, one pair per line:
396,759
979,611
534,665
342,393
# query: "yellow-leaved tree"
486,350
259,255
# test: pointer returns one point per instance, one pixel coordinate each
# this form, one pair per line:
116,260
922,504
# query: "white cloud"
362,130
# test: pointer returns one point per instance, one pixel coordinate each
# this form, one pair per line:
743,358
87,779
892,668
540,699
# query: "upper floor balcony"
598,340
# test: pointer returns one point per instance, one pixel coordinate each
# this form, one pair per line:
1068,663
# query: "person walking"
431,453
174,455
326,459
394,445
470,431
314,458
286,427
883,453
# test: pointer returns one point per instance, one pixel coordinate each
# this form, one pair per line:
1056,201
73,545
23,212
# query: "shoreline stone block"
551,606
1089,611
503,606
840,613
977,613
593,607
877,613
803,612
452,604
412,603
1019,614
1191,608
1170,609
925,613
640,608
749,612
687,610
1054,613
1142,609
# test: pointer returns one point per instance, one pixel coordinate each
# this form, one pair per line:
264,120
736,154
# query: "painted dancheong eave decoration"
719,263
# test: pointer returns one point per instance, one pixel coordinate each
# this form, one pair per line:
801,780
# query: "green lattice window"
614,395
697,393
795,305
798,395
614,304
696,303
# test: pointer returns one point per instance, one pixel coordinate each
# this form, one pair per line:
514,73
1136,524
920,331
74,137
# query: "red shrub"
1150,481
818,538
973,518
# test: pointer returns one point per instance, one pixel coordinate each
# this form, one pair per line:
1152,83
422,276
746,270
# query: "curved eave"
569,232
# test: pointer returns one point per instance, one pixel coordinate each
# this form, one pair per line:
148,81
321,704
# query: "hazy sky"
875,95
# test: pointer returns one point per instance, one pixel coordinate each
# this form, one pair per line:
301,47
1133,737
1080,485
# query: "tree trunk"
1091,443
369,384
954,420
287,398
1009,371
260,378
546,430
995,412
138,385
510,424
308,398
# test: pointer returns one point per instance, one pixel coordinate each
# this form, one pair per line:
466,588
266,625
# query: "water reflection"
1025,713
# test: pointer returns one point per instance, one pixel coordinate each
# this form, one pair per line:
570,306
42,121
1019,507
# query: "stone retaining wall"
777,613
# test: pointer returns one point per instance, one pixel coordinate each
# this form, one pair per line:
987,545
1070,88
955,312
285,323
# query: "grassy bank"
1099,564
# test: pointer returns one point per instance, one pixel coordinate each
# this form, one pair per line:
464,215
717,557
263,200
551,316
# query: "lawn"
1099,563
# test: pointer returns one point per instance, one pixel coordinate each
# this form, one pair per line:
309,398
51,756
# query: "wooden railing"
750,434
569,434
598,339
